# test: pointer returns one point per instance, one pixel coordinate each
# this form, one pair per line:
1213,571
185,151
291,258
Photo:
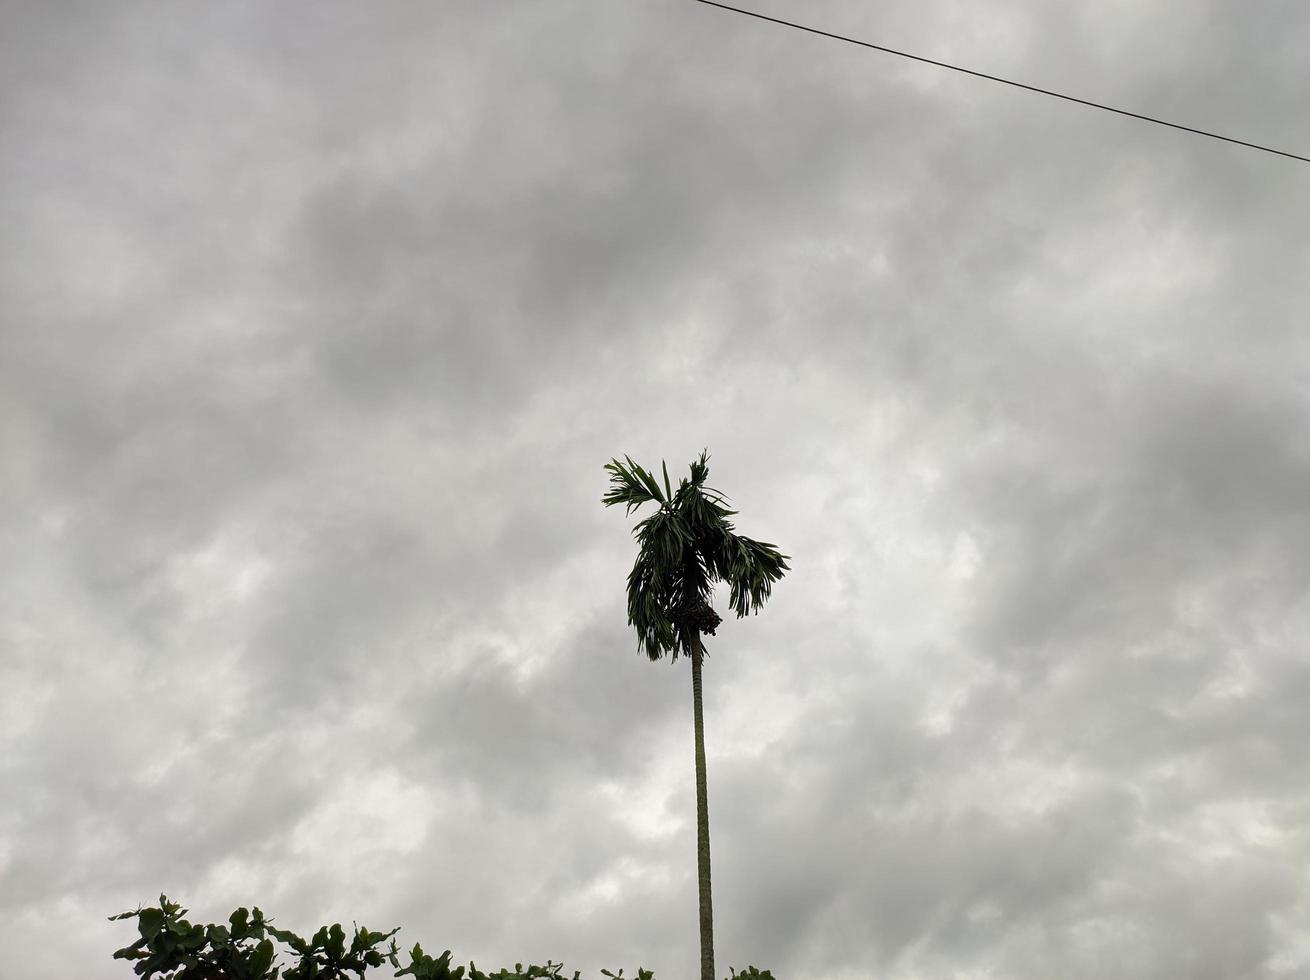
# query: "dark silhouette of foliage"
171,948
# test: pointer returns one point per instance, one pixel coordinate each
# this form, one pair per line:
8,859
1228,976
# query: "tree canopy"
684,548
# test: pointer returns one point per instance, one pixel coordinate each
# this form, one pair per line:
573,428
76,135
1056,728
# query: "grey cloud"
320,323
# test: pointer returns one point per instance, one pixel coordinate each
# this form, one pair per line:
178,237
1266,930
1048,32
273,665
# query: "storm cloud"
318,322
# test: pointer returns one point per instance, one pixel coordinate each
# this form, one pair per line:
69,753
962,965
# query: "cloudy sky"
319,320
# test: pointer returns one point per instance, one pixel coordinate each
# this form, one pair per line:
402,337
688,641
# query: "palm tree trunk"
702,826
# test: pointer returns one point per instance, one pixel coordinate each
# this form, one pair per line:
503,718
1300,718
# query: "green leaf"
152,921
649,481
291,939
262,958
667,489
152,964
133,952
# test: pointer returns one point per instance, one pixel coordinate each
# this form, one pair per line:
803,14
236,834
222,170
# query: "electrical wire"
1004,81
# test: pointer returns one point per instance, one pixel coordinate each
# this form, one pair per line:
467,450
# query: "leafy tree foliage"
171,948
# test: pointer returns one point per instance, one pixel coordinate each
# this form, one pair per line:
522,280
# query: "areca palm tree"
684,548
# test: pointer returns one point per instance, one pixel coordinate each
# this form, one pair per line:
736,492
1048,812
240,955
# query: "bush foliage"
171,948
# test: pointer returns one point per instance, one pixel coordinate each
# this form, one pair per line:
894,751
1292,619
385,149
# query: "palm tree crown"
684,547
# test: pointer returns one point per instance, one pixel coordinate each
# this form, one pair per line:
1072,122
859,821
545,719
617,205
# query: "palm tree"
686,546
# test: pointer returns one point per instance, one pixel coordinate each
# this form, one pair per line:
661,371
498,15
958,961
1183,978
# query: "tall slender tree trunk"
702,826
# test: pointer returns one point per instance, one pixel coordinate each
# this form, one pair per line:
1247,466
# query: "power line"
1003,81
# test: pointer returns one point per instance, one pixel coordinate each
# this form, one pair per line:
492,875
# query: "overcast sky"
319,321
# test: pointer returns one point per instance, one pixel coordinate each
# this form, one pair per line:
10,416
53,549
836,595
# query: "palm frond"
749,567
630,485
